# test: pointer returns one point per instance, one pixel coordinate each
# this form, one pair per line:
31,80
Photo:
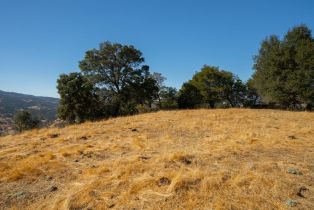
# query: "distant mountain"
10,103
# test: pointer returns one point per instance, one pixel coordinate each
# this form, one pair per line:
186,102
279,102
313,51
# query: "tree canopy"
189,96
78,98
284,69
114,66
218,86
112,82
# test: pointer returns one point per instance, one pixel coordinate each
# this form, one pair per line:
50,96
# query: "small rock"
83,138
49,178
164,181
76,160
291,203
134,130
18,194
292,137
294,171
300,191
53,188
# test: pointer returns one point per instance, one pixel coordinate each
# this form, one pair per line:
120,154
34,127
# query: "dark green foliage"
159,78
143,92
252,99
218,86
148,91
118,71
212,84
236,95
168,98
114,66
284,69
189,96
78,98
25,121
114,81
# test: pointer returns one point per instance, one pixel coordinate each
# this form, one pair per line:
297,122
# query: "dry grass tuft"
193,159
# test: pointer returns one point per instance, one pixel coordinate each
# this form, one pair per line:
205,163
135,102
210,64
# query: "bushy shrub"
25,121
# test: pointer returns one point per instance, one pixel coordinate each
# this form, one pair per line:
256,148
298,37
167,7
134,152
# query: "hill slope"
10,103
194,159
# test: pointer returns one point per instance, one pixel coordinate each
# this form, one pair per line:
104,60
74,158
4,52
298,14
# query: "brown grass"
194,159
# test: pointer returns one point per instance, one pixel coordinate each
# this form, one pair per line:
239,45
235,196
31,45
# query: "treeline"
114,81
283,78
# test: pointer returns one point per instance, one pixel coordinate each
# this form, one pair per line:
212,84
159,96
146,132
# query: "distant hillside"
10,103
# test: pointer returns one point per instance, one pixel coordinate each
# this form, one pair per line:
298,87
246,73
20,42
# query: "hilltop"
191,159
10,103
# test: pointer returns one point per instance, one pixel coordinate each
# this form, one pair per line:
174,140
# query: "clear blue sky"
40,39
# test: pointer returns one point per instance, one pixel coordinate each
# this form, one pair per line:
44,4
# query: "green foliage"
114,66
284,69
145,92
25,121
237,94
78,98
118,71
252,98
218,86
168,98
113,82
189,96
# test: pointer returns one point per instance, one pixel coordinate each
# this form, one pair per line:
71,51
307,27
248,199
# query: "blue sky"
40,39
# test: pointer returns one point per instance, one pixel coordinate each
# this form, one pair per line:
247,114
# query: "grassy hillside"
195,159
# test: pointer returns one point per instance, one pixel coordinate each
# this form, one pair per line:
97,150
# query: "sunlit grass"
192,159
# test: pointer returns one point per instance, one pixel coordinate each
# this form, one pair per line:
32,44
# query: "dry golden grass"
194,159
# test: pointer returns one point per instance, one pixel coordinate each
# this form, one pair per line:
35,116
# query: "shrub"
25,121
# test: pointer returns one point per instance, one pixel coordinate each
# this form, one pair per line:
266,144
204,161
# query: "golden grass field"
192,159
